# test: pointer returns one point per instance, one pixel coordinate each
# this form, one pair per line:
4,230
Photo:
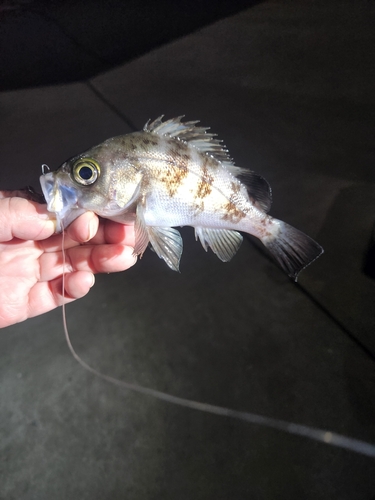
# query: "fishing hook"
45,169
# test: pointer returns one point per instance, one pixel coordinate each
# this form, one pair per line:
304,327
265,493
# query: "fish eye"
86,171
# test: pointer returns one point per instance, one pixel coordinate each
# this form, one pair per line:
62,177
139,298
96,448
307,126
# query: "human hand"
31,262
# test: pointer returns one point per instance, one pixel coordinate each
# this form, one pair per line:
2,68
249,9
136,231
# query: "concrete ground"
289,87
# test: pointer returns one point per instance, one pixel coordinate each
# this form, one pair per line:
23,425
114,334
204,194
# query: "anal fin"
223,242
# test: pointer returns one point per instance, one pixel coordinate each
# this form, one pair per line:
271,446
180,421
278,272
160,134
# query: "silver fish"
175,173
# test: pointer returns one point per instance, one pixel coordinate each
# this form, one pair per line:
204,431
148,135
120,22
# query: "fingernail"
52,224
92,281
92,227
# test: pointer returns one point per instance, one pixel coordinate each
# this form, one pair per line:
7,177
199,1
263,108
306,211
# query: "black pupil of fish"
85,173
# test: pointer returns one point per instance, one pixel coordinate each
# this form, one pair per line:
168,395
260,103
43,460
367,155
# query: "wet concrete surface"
288,87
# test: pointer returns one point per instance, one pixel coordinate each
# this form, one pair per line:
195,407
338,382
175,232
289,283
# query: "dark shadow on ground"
341,281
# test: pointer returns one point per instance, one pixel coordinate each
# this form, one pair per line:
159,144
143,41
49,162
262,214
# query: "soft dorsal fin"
257,187
190,132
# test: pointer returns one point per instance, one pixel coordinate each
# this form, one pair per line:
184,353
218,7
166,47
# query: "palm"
31,260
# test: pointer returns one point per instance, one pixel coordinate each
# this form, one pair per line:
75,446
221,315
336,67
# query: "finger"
87,224
76,284
114,232
45,296
102,258
84,228
81,230
24,219
89,228
92,258
55,243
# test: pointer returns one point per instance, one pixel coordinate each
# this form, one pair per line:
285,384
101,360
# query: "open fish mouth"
61,200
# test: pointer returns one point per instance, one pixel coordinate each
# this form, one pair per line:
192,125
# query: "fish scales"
189,185
172,174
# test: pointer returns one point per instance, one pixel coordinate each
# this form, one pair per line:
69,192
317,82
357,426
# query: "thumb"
24,219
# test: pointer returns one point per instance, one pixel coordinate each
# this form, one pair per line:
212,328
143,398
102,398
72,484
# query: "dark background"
289,87
53,41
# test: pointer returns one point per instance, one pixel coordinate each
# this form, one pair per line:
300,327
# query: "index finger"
89,228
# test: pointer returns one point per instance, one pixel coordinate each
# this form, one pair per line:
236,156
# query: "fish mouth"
61,200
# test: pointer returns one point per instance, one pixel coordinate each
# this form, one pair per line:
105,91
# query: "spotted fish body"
171,174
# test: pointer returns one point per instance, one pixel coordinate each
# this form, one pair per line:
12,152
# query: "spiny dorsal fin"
257,187
189,132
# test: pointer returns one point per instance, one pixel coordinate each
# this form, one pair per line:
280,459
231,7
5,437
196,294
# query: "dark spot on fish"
146,183
214,163
178,153
232,211
236,186
180,159
198,207
176,166
205,184
173,176
149,141
233,214
265,222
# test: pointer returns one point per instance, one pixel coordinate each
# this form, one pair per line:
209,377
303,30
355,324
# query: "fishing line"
316,434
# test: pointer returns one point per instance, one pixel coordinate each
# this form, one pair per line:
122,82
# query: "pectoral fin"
167,243
141,233
223,242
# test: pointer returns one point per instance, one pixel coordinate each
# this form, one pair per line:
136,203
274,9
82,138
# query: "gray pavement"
289,87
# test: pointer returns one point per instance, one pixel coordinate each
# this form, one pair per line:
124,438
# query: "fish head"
101,180
63,196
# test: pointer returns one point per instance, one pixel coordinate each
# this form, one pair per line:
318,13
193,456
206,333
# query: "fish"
175,173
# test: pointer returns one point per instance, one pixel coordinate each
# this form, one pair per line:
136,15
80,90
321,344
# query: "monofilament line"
320,435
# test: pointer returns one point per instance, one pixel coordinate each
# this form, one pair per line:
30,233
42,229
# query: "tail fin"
292,249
